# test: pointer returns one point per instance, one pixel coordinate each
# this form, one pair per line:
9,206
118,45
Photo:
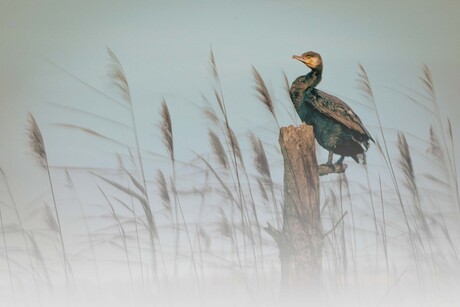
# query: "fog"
102,228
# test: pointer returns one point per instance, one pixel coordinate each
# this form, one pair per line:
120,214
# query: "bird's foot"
329,168
339,162
329,165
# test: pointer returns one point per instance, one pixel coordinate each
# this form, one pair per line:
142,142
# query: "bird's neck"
303,85
313,78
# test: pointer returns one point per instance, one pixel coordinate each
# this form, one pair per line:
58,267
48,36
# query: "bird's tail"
366,144
360,156
362,141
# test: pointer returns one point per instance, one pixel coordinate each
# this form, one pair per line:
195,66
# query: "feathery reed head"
118,76
36,142
209,111
218,149
211,115
235,145
166,129
364,83
434,147
164,194
215,72
405,162
260,158
262,90
427,81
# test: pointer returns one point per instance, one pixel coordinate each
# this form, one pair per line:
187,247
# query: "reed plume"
210,114
218,149
448,151
118,76
36,143
168,141
434,146
235,146
406,165
427,81
263,93
263,168
166,130
236,161
163,190
215,72
366,89
260,158
37,146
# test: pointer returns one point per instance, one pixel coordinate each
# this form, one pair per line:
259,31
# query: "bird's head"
311,59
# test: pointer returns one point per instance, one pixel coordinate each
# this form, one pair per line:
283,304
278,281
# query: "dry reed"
37,146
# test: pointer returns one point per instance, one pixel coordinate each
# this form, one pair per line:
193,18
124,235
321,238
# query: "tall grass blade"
7,255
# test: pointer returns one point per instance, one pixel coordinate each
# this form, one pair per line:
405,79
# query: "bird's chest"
297,91
297,94
305,112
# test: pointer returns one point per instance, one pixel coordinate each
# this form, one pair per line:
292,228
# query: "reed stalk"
7,255
366,89
37,146
120,81
168,141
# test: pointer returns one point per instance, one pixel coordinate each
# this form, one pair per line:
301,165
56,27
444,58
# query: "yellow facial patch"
313,62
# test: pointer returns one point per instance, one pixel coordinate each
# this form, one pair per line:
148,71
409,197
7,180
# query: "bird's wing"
337,109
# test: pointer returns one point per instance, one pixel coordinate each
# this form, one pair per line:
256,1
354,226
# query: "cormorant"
337,128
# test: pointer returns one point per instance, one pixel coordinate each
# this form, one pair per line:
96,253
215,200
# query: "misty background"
53,60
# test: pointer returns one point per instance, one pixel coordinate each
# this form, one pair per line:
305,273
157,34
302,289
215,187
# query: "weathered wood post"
300,240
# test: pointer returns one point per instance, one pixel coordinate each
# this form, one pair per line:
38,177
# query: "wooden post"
300,241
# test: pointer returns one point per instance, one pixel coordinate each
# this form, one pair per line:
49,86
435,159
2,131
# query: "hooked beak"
298,57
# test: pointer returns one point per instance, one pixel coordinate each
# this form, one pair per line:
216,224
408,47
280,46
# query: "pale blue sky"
164,47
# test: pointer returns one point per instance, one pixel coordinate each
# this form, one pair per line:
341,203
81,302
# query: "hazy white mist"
54,64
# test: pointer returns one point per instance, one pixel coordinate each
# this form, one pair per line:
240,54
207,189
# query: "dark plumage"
337,128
